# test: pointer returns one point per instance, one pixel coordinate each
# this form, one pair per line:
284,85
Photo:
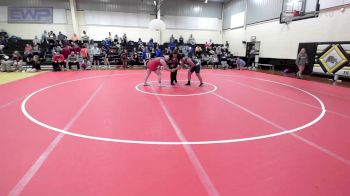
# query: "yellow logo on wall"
333,59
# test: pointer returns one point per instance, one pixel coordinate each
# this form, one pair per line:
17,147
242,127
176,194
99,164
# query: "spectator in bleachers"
95,51
134,57
73,60
44,37
172,39
51,38
198,51
159,52
86,64
106,43
240,63
2,42
191,40
17,61
2,50
153,53
75,48
57,48
214,61
65,52
85,37
150,44
5,64
218,52
105,58
36,50
140,44
172,46
144,56
58,62
206,46
4,34
84,52
211,44
75,38
124,58
35,63
110,37
181,40
116,39
28,52
166,52
36,41
125,39
61,37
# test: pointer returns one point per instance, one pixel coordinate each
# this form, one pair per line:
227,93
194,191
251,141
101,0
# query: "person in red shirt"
155,65
58,62
75,48
65,52
84,52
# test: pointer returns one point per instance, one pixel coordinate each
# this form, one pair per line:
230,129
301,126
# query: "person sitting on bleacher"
86,64
198,51
150,44
172,46
134,57
35,63
75,48
36,41
191,40
17,61
28,52
181,40
3,34
65,52
61,37
106,43
73,60
58,63
36,50
159,52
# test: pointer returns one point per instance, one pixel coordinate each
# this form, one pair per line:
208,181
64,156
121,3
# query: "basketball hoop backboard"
293,10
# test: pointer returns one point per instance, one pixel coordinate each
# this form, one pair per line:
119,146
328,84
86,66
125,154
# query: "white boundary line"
289,99
177,95
306,141
25,112
43,157
203,176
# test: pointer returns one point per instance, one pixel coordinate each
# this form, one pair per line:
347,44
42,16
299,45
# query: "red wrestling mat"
242,133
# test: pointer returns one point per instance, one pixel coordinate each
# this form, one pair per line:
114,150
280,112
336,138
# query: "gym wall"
130,17
281,41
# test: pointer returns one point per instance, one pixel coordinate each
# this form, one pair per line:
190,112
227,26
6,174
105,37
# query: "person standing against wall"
301,61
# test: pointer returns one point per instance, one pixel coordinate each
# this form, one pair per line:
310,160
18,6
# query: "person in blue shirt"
150,44
240,63
159,52
172,46
144,55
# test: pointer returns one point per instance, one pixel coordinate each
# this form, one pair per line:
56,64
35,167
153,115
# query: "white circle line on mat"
177,95
25,112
